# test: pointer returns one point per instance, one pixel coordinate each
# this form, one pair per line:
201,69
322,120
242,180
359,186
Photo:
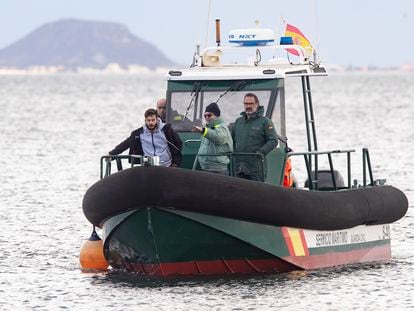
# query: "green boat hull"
163,242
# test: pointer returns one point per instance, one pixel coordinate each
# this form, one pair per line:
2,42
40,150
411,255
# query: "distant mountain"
76,43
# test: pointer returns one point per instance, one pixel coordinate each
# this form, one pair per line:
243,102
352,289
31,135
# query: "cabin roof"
229,62
233,72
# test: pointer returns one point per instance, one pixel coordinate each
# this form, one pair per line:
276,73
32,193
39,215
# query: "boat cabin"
209,80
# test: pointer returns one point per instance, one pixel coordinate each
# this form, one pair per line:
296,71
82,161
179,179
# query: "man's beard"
151,127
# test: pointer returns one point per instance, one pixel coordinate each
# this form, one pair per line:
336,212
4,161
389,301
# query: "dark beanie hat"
213,108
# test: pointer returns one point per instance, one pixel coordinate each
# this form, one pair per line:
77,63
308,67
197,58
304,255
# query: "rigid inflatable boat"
162,221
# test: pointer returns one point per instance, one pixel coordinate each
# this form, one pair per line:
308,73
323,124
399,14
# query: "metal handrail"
366,161
313,183
118,158
231,155
105,171
321,152
188,141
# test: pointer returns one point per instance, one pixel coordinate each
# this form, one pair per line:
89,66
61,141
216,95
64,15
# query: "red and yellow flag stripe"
295,241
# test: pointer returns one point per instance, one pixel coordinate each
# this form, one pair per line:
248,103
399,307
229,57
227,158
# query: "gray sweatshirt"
155,144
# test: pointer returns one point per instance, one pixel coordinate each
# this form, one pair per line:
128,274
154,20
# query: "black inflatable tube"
241,199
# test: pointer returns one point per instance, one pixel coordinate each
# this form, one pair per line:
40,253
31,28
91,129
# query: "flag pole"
283,20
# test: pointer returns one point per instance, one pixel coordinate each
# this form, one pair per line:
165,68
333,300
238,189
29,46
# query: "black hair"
256,99
151,112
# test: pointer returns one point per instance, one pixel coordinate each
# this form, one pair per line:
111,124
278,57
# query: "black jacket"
133,142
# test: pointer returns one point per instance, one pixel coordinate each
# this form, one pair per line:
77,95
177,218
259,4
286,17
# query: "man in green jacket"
216,138
253,133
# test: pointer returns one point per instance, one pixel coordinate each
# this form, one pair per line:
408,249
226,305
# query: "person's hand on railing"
259,155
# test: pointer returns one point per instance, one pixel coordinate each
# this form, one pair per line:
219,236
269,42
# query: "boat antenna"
282,33
208,22
284,22
315,13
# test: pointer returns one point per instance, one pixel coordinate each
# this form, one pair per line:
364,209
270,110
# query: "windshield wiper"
235,87
197,86
194,93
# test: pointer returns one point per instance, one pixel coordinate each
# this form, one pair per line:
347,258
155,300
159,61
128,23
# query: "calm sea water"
55,128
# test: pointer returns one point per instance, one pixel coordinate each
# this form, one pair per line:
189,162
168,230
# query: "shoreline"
112,69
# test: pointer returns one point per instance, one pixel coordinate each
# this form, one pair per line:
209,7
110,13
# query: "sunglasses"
208,115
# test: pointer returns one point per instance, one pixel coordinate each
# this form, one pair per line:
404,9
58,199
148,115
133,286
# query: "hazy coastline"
115,68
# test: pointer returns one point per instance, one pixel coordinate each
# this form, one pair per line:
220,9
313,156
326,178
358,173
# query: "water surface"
54,130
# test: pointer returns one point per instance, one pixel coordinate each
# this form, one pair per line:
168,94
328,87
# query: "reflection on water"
54,130
127,279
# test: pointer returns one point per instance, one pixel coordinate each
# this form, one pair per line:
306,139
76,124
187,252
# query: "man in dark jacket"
162,109
253,133
153,139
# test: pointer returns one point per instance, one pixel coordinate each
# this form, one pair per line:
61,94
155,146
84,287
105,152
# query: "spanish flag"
298,38
295,241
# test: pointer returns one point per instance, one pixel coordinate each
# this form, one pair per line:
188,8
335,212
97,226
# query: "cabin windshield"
189,99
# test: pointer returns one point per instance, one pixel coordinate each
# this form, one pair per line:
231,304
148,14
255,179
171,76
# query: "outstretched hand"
197,129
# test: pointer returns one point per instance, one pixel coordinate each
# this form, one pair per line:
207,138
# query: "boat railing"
313,178
106,160
137,160
232,156
366,163
192,141
313,175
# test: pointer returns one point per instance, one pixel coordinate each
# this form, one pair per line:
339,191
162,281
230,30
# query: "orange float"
91,254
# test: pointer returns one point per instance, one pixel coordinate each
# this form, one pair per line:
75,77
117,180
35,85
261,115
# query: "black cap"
213,108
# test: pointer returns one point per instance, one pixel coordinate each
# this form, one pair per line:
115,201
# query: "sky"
345,32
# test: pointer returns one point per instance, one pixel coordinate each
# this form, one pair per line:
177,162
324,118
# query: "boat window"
277,116
187,108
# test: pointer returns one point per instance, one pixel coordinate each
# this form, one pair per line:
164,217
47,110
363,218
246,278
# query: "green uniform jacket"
216,138
254,135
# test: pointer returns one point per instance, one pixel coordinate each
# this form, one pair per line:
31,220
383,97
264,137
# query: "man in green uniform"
253,133
216,138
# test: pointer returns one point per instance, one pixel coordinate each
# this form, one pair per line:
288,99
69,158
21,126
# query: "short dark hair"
150,112
256,99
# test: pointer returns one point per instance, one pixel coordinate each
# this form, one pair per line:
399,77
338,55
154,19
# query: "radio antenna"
208,22
315,11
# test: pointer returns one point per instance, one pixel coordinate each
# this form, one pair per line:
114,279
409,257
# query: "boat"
162,221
